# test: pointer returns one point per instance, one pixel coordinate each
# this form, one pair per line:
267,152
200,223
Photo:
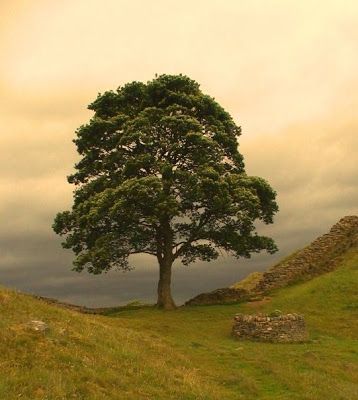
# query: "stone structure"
220,296
288,328
322,255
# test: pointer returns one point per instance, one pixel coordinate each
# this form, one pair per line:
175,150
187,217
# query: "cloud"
312,166
35,263
286,73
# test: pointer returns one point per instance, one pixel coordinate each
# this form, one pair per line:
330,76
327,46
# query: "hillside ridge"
322,255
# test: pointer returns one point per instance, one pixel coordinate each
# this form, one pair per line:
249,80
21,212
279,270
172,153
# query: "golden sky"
285,70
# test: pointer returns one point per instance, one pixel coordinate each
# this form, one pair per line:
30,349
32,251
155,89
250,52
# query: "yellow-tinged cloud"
285,70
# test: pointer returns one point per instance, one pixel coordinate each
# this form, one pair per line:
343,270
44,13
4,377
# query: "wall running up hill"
322,255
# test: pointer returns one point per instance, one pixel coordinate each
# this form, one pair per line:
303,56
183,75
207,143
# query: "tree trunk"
165,299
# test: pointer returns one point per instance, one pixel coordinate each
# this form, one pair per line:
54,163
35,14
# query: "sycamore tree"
160,173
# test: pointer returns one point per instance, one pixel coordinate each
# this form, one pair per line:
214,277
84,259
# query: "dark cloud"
314,175
37,264
54,62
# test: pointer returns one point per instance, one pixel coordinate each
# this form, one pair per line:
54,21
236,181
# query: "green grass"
249,283
184,354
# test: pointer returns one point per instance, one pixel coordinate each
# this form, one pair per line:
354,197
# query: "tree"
161,174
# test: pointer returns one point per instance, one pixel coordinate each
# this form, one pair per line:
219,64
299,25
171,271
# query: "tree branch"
193,237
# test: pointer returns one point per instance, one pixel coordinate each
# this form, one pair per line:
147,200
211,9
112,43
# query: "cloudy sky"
285,70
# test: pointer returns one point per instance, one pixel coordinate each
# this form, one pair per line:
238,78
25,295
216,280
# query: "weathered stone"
287,328
219,296
321,256
38,326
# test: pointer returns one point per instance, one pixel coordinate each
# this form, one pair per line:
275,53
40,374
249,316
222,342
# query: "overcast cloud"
286,71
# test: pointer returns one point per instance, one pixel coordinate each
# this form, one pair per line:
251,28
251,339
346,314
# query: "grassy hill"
185,354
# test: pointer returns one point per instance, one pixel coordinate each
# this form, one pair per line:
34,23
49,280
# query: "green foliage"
161,174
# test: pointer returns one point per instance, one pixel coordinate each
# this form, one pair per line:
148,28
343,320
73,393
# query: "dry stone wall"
287,328
322,255
220,296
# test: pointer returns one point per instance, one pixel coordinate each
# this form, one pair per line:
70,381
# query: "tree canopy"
160,173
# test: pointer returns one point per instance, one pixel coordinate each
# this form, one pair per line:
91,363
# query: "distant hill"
145,353
323,255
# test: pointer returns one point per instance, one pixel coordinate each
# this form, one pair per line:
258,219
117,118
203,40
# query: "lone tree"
161,174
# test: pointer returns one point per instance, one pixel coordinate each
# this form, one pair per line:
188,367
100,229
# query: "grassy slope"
185,354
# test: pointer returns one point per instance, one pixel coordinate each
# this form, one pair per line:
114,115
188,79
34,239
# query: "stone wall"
322,255
219,296
287,328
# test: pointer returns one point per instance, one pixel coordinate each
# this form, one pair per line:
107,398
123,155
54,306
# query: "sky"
285,70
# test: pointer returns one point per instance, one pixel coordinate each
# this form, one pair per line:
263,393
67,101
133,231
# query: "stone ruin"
276,327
